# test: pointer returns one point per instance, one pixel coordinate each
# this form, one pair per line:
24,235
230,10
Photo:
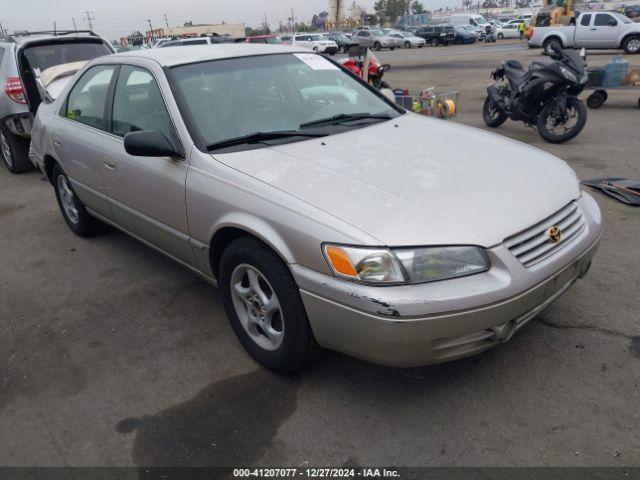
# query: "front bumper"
417,325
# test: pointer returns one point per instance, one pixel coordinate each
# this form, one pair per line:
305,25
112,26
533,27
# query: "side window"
585,20
604,20
138,104
86,101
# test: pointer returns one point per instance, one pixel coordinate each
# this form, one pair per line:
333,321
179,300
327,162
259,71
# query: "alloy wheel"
634,45
67,200
6,150
257,307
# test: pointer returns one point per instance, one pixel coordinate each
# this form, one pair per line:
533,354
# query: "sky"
115,18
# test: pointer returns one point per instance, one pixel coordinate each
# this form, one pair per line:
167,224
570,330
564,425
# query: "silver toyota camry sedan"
328,216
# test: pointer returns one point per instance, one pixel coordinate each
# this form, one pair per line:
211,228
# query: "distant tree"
417,7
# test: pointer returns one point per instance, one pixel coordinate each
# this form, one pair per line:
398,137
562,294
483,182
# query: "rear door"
583,33
147,194
81,135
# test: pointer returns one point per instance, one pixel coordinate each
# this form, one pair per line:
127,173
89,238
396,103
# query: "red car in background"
270,39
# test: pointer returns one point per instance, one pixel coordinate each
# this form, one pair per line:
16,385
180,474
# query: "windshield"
230,98
377,33
273,40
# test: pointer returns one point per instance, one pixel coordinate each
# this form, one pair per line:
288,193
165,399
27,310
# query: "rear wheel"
407,44
72,209
493,117
434,42
15,151
500,36
556,126
631,45
264,307
551,45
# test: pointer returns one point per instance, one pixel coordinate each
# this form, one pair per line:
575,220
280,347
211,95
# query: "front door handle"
594,29
110,163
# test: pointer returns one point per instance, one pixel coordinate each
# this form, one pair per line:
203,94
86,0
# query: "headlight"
404,265
568,75
438,263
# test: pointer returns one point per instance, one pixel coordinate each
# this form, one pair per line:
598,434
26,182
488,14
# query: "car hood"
418,181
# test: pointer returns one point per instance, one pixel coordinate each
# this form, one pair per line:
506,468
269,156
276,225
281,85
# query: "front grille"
535,244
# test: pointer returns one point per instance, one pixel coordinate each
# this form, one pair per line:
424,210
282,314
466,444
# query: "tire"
551,137
407,44
291,348
14,151
384,84
492,120
80,223
631,45
596,99
392,48
500,36
377,47
550,43
434,42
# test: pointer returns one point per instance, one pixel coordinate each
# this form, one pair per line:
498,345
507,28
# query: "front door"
147,194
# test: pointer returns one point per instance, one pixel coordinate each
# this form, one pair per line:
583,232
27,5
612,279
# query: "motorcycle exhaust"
495,96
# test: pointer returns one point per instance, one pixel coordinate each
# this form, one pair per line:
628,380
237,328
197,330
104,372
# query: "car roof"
23,38
170,56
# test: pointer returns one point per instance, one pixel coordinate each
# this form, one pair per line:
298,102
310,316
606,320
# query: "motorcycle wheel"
491,115
554,129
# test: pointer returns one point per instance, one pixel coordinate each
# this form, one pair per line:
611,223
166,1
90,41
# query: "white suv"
316,42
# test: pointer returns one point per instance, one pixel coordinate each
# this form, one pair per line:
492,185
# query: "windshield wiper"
259,137
346,117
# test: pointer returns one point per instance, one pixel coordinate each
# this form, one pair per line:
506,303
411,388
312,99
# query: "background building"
190,29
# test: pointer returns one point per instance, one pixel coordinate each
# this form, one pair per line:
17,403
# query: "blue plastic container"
615,71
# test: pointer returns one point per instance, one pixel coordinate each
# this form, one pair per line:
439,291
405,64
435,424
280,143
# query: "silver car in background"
375,39
407,39
327,215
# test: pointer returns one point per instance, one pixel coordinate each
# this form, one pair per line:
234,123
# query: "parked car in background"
509,30
206,40
315,42
269,39
286,39
344,43
594,30
408,39
436,35
465,35
472,19
162,144
24,59
374,39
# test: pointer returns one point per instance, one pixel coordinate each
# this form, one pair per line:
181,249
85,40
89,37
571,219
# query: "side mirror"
384,68
149,143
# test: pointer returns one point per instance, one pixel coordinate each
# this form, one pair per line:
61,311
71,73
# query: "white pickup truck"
604,30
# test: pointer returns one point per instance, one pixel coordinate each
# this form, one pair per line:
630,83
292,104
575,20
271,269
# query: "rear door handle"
110,163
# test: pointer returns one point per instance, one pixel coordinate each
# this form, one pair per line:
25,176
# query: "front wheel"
493,117
264,307
407,45
500,36
556,126
631,45
377,46
434,42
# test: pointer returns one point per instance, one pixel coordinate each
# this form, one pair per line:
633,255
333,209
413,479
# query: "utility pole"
166,21
55,30
89,18
75,26
150,29
265,24
293,22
